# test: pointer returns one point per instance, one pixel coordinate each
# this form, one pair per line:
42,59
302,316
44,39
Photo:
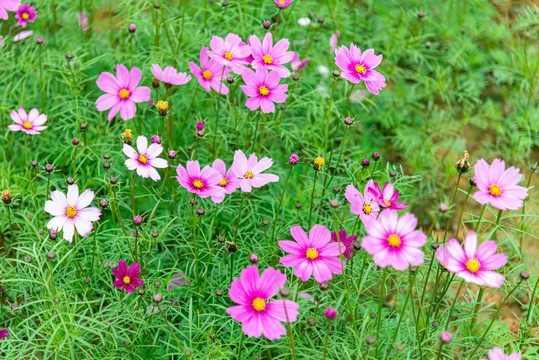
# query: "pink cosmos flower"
25,34
231,52
250,171
177,281
393,241
83,20
145,158
497,354
267,56
316,254
8,5
170,75
334,41
204,183
388,197
229,182
347,241
282,3
442,255
72,212
210,74
476,264
25,14
257,314
3,333
127,278
297,64
263,89
497,186
31,124
122,92
356,66
364,206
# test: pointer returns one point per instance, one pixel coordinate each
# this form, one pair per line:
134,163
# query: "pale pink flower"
25,14
210,74
497,354
145,158
31,124
8,5
263,89
230,181
267,56
363,205
83,20
250,171
25,34
297,64
204,183
282,3
170,75
334,41
231,52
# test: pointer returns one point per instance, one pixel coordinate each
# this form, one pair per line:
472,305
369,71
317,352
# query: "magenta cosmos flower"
83,20
393,241
263,89
25,14
170,75
204,183
476,264
356,66
267,56
316,254
497,354
145,158
229,182
210,73
250,171
363,205
347,241
127,278
282,3
388,197
122,92
231,52
72,212
8,5
258,315
497,186
31,124
297,64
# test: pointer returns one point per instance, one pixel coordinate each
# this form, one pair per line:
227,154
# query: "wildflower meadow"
269,179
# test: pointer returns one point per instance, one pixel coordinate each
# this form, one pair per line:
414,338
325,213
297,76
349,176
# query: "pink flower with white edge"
267,56
72,212
498,354
257,314
356,66
210,74
145,159
170,75
122,92
393,241
231,52
250,171
263,89
498,186
230,181
297,64
25,34
25,14
204,183
8,5
388,197
315,255
476,264
364,206
282,3
31,123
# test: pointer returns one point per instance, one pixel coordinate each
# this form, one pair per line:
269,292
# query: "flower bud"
201,212
172,154
284,293
266,24
324,286
103,203
376,156
295,77
334,203
34,163
336,189
370,340
420,14
311,321
51,255
106,165
294,159
75,141
472,181
253,258
336,73
162,107
348,121
365,163
157,298
445,337
49,168
443,208
218,292
132,28
392,173
265,222
6,197
155,139
524,275
155,83
330,313
83,127
137,220
199,126
113,180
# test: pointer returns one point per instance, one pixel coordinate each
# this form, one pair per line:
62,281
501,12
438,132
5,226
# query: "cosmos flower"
497,354
315,255
393,241
170,75
23,35
297,64
8,5
229,182
258,315
356,66
267,56
364,206
498,186
122,92
263,89
282,3
31,124
127,279
72,212
210,74
476,264
145,158
231,52
388,197
204,183
442,255
3,333
25,14
250,171
83,20
177,281
347,241
334,41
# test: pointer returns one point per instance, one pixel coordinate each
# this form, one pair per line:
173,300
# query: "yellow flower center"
207,74
394,241
473,265
25,16
311,253
267,59
127,280
249,175
223,182
124,93
319,161
259,304
361,69
198,184
495,190
281,1
71,212
27,125
263,90
387,203
143,159
228,55
161,105
367,209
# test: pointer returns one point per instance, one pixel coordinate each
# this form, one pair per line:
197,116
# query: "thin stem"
170,328
477,304
453,305
326,341
462,211
498,219
133,193
93,252
290,331
478,225
380,303
452,203
523,213
312,198
46,198
329,115
241,346
166,27
279,206
217,115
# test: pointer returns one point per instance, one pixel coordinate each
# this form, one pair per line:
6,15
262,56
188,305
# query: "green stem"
312,198
478,225
326,341
477,304
275,219
166,27
380,303
523,213
453,305
329,116
452,203
170,329
462,211
498,219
